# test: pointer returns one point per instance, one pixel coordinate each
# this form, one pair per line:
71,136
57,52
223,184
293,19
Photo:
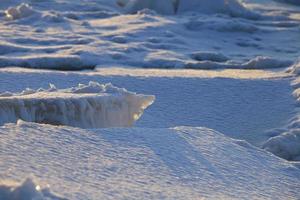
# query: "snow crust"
88,106
143,163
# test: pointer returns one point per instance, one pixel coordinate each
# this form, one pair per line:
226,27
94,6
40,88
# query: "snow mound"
21,11
28,190
144,163
285,145
230,7
87,106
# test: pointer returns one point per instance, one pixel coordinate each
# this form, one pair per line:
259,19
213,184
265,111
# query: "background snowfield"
223,77
59,35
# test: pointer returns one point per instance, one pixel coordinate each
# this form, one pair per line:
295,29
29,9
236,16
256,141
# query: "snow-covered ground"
202,34
224,123
143,163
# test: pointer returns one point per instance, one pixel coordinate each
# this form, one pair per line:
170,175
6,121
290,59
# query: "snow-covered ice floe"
28,190
88,106
143,163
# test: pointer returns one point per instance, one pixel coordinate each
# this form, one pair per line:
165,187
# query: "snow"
88,106
26,191
285,142
226,101
72,37
296,2
143,163
21,11
163,7
230,7
285,145
231,66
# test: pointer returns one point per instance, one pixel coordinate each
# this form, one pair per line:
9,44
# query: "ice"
259,62
295,68
286,145
209,56
162,7
88,106
285,142
295,2
28,190
230,7
21,11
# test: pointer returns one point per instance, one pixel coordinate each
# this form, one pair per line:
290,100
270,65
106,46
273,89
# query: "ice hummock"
21,11
88,106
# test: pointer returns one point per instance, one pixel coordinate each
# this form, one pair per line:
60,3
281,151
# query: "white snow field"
224,75
87,106
143,163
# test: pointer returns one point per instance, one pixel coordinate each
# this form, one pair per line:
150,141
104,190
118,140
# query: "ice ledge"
87,106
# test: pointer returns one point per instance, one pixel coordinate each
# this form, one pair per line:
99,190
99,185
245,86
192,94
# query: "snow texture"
224,100
143,163
88,106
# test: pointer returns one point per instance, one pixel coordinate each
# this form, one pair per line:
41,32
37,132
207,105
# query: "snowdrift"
28,190
143,163
87,106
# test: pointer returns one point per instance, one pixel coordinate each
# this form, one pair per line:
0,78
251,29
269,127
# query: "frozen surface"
152,160
141,163
61,35
237,103
88,106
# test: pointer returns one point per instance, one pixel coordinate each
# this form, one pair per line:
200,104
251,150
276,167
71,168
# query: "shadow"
178,155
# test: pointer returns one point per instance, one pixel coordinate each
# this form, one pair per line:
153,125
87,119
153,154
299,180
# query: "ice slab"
87,106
